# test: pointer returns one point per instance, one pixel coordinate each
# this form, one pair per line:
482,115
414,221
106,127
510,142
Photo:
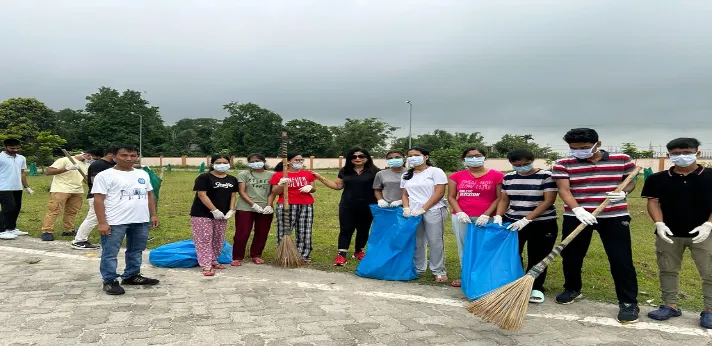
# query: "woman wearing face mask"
213,205
301,202
254,210
356,179
473,194
386,185
423,190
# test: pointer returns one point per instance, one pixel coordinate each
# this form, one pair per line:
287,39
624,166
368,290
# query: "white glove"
704,232
664,231
229,214
397,203
462,216
417,212
284,181
482,220
72,167
616,196
268,210
257,208
497,219
406,212
517,226
383,204
29,190
306,189
585,217
217,214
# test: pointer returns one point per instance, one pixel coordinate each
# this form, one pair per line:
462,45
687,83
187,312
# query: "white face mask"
221,167
584,153
297,165
415,161
256,165
684,160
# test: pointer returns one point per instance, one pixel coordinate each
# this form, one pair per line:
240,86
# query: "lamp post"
410,124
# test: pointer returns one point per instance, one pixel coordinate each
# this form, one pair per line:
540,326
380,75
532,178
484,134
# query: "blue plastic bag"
391,246
490,259
182,254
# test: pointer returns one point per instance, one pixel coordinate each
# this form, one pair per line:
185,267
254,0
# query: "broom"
71,159
507,305
287,255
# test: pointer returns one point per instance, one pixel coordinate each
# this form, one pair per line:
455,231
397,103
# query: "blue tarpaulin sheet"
182,254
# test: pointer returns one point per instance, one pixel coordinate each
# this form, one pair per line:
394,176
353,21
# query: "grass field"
176,198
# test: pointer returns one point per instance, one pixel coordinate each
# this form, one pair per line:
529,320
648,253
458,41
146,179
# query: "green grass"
177,197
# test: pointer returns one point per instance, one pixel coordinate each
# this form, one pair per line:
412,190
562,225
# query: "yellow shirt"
68,182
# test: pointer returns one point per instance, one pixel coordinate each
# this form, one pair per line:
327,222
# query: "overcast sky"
636,70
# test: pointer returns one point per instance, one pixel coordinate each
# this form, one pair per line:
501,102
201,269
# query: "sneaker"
340,261
47,236
139,280
85,245
113,288
628,313
664,313
69,234
359,255
17,232
7,235
706,319
568,297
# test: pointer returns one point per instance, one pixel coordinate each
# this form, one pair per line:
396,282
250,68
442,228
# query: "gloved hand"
217,214
72,168
616,196
406,212
663,231
462,216
482,220
704,232
397,203
268,210
229,214
584,216
29,190
306,189
497,219
517,226
257,208
284,181
417,212
383,204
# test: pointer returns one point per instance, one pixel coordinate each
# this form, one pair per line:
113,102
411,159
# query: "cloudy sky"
637,70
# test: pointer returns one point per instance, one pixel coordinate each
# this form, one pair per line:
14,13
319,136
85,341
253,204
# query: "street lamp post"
140,136
410,124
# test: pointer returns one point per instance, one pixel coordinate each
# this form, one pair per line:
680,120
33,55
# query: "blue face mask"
414,161
684,160
523,169
297,165
394,163
474,161
256,165
221,167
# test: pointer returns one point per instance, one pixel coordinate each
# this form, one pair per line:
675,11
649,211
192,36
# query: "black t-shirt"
686,201
219,190
95,168
358,188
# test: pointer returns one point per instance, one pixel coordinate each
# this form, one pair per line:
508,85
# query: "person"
356,180
254,210
423,191
527,201
473,194
81,240
125,207
585,180
680,204
14,180
65,194
386,184
213,205
300,187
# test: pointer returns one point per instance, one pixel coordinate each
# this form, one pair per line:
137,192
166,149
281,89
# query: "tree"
441,139
371,134
30,121
510,142
249,129
310,138
447,159
631,150
194,136
72,125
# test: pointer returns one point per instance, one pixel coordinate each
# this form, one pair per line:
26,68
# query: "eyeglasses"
298,160
361,156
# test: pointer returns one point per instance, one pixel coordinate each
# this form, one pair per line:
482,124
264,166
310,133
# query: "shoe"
706,319
306,260
7,235
85,245
17,232
359,255
664,313
340,261
628,313
139,280
69,234
113,288
568,297
47,236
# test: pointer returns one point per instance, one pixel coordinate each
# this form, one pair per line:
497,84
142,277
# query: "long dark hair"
349,166
217,157
280,166
409,174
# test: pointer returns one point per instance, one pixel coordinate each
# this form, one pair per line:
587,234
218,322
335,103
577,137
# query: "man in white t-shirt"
125,206
12,181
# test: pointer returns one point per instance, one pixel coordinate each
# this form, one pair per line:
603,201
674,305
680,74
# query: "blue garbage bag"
490,259
182,254
391,246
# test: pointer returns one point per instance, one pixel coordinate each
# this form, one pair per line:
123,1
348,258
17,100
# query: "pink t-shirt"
475,195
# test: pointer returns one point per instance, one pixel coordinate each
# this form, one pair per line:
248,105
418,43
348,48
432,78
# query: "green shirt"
257,187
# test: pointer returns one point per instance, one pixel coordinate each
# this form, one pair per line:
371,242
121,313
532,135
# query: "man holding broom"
584,181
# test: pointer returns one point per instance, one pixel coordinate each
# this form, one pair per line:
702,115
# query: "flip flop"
456,283
218,266
208,272
258,260
236,263
536,297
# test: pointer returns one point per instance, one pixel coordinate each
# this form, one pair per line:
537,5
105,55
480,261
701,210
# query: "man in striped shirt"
527,200
585,180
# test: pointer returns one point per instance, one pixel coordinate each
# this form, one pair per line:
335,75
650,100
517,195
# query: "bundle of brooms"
287,255
507,305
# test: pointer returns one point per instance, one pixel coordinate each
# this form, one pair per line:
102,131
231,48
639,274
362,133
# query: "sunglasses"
361,156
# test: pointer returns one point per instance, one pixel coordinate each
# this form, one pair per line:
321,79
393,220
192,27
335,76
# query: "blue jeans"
136,237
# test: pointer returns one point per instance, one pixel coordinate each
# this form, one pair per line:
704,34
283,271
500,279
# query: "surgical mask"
474,161
297,165
395,163
583,153
685,160
414,161
221,167
88,161
256,165
523,169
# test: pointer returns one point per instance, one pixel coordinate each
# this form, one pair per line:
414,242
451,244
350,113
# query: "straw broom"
287,254
507,305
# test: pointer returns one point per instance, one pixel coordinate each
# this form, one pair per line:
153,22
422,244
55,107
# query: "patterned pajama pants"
208,236
301,221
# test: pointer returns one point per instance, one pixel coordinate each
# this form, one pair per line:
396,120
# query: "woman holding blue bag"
386,186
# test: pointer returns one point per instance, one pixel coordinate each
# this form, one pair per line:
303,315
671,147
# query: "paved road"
51,295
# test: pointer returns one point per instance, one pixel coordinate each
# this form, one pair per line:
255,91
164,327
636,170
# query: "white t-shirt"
11,171
422,185
126,195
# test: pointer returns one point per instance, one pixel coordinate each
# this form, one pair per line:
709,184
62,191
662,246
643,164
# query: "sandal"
236,263
257,260
218,266
440,278
208,272
456,283
536,297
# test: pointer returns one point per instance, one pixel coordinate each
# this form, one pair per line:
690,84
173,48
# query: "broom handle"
71,159
285,189
539,268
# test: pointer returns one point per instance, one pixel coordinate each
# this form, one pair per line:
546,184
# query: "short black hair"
129,148
683,143
467,150
95,152
520,154
581,135
11,142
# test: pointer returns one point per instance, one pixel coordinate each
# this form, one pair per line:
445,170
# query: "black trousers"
11,203
539,238
356,219
615,236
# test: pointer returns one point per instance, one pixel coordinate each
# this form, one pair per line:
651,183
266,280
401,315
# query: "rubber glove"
482,220
257,208
382,203
704,232
284,181
517,226
663,231
584,216
463,217
306,189
217,214
268,210
406,212
229,214
417,212
397,203
616,196
497,219
29,190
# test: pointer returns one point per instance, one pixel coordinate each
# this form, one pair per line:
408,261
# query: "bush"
447,159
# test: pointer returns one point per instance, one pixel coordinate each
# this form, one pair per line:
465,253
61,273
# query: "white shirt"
10,171
126,195
422,186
